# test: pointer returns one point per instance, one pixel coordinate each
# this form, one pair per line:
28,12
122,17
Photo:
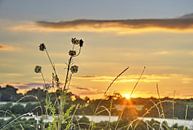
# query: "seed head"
38,69
77,42
74,69
81,42
42,47
72,53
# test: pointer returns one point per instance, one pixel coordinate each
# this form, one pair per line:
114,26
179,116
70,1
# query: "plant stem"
161,106
67,72
137,81
115,79
43,79
53,66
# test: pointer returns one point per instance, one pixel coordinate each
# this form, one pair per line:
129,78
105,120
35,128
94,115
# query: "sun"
126,95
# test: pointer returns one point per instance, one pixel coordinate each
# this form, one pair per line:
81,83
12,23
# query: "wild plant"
62,117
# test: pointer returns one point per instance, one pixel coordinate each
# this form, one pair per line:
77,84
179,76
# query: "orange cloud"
4,47
119,26
124,79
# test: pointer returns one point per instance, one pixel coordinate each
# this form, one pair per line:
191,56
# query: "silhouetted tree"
8,93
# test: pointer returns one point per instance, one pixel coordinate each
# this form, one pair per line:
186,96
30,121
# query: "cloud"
21,85
187,80
162,53
12,74
135,23
81,88
118,26
5,47
132,78
126,79
88,91
187,16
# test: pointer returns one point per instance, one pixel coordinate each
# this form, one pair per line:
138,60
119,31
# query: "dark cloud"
88,76
88,91
24,85
81,88
187,16
176,23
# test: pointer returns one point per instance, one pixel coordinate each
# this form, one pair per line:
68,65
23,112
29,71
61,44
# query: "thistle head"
74,69
42,47
72,53
77,42
81,42
38,69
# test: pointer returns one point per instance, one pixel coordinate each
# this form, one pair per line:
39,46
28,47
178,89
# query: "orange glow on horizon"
126,95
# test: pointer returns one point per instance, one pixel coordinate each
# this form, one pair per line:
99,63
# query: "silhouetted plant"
61,98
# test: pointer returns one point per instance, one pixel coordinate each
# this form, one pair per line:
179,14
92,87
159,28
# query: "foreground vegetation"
84,124
15,105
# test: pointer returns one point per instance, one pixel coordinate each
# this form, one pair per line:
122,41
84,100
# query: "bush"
18,109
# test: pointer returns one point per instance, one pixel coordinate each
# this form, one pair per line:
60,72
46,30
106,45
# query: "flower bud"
72,53
81,42
74,69
75,41
38,69
42,47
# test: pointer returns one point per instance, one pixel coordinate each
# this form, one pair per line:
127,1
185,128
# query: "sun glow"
126,95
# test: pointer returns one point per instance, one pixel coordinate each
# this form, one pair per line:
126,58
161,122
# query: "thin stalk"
122,72
152,107
61,112
110,109
53,66
156,107
186,113
12,115
115,79
131,95
68,86
137,81
173,105
161,106
78,52
3,127
43,79
67,72
35,97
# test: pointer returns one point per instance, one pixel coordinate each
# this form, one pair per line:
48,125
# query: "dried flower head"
81,42
72,53
74,69
42,47
75,41
38,69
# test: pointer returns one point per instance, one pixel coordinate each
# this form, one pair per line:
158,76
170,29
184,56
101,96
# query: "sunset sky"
157,34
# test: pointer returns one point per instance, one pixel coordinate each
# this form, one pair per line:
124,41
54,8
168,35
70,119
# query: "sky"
156,34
